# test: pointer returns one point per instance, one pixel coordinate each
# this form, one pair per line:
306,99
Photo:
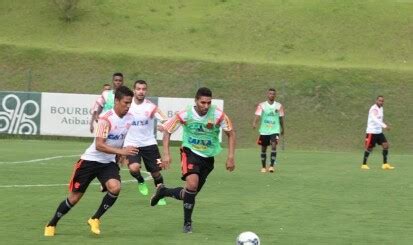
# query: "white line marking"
149,177
40,159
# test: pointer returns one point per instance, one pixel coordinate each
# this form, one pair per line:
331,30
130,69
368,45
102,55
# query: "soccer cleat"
187,227
365,167
263,170
143,188
49,230
158,194
94,225
271,169
162,202
387,166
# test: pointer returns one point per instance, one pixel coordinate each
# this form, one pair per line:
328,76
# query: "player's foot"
263,170
387,166
158,194
365,167
187,227
162,202
271,169
49,230
94,225
143,188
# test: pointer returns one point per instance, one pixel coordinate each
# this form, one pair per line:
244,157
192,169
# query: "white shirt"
375,122
142,131
113,129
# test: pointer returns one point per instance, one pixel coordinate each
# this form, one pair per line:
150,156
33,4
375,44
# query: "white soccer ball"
248,238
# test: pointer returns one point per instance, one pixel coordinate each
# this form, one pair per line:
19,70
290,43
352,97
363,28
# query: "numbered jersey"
142,131
112,128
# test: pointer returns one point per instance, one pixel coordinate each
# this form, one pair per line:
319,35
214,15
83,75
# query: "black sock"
366,155
108,200
385,152
264,159
63,208
137,176
158,180
176,193
273,156
189,203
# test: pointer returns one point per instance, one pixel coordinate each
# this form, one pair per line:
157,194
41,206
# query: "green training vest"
110,101
202,135
270,120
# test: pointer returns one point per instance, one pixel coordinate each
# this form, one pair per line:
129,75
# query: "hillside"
327,59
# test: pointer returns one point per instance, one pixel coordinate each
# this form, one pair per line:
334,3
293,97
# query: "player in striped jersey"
271,127
200,144
98,161
142,135
374,134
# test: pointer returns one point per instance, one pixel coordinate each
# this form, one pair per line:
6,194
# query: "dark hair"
139,82
123,91
117,74
203,92
272,89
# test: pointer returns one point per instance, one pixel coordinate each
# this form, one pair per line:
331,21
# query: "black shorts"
192,163
266,140
85,171
373,139
151,158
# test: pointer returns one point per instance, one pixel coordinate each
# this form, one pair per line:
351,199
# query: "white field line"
40,159
53,185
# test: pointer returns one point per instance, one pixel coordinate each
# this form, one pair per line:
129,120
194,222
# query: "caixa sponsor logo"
17,117
116,136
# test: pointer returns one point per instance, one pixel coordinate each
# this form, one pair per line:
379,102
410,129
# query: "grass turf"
313,198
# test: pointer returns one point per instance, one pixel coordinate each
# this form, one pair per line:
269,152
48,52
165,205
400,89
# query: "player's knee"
134,167
113,186
74,197
156,175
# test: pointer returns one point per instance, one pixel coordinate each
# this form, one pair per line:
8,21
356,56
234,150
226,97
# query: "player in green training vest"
200,144
106,101
271,114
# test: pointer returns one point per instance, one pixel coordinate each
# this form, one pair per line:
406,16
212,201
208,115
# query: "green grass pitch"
313,198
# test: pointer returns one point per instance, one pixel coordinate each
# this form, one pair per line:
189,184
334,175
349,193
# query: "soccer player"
105,102
106,86
141,135
271,126
200,144
374,134
98,161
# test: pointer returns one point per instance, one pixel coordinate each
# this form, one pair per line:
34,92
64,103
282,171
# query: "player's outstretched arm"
230,164
282,125
254,123
166,158
95,116
103,147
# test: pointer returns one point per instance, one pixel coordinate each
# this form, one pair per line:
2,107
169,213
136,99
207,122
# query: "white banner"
66,114
171,106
